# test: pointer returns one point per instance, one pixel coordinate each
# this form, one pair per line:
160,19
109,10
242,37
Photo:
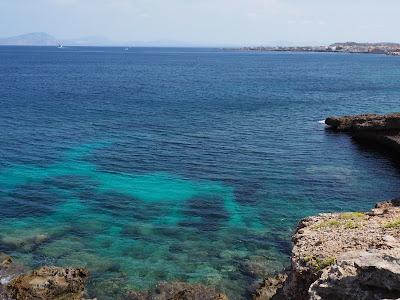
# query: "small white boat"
126,49
60,46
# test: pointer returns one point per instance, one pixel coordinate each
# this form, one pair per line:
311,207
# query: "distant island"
30,39
45,39
347,47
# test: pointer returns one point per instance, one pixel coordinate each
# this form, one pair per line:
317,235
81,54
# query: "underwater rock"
178,291
24,240
330,244
5,261
255,266
49,283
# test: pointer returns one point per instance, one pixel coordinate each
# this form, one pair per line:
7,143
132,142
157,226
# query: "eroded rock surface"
271,288
8,270
359,275
49,283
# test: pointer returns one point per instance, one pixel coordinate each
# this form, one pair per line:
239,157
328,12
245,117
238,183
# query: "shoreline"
311,51
392,49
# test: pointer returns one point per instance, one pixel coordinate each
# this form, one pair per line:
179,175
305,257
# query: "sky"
207,22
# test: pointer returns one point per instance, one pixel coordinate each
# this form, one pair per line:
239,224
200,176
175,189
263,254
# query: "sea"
155,165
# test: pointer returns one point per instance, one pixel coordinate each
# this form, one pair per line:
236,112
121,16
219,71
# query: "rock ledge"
382,130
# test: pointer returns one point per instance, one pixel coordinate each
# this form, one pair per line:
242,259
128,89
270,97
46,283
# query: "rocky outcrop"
383,130
178,291
271,288
355,253
366,122
8,270
44,283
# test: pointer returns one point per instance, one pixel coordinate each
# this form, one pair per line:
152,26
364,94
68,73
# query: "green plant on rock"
319,264
352,216
328,224
348,220
352,225
393,224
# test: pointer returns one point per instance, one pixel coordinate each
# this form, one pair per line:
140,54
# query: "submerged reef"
58,283
177,291
353,255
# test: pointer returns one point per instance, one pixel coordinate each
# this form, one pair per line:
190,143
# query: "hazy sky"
241,22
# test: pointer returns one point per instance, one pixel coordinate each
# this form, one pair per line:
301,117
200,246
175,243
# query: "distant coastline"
347,47
44,39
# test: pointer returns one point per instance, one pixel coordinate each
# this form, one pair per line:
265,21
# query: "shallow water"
180,164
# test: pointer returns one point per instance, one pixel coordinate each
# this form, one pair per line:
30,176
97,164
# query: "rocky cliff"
342,256
381,130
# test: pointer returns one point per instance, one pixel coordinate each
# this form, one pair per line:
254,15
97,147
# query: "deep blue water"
155,165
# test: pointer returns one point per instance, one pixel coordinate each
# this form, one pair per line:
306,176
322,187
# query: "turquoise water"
180,164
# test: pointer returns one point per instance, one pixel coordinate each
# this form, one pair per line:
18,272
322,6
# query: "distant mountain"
45,39
30,39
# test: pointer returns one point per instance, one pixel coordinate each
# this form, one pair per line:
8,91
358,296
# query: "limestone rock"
359,275
328,246
49,283
365,122
5,261
271,288
8,270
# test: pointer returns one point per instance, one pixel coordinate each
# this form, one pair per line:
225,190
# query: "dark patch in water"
245,193
70,183
176,248
131,231
29,200
282,244
204,213
169,232
120,205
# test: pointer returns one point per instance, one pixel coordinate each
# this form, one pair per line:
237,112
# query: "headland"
347,47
